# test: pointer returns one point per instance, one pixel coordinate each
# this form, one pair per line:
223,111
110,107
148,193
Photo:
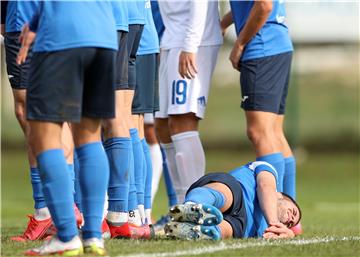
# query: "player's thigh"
263,81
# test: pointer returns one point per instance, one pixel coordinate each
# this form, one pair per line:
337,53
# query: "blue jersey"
273,38
149,42
120,10
159,24
246,175
71,24
18,13
136,11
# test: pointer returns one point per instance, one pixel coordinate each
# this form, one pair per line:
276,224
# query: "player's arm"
256,20
27,36
266,193
267,196
3,15
226,21
193,34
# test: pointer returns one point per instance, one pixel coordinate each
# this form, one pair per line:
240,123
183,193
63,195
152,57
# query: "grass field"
323,115
328,191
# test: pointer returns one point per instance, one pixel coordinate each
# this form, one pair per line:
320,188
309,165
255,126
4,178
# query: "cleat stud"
208,209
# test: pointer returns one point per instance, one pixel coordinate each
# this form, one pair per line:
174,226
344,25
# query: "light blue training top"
18,13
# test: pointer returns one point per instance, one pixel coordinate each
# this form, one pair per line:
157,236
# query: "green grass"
328,191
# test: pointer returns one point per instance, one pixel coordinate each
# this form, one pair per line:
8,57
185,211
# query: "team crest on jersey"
202,101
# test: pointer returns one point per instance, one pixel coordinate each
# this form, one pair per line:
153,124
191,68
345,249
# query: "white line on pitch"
240,245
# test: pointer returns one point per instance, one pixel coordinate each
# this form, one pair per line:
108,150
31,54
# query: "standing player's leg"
155,153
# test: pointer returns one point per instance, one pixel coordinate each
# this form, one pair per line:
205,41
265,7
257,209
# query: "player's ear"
279,195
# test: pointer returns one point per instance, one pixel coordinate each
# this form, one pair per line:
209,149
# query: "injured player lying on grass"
240,204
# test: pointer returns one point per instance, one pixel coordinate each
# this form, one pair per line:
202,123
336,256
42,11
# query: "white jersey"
190,24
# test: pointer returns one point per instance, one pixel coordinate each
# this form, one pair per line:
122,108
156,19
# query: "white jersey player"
189,49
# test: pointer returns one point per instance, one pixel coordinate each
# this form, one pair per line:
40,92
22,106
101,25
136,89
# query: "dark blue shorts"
133,41
18,74
264,83
236,214
66,85
146,98
122,60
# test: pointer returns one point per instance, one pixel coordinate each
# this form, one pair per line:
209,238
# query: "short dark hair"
286,196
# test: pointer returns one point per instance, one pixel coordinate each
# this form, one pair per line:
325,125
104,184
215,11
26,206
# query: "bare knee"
183,123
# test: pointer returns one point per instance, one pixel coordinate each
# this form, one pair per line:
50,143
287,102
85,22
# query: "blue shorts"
66,85
122,60
236,214
18,74
146,98
133,41
264,83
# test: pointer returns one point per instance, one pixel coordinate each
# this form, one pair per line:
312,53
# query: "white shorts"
178,95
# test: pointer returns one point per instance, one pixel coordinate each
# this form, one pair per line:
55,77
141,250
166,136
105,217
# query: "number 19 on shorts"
179,92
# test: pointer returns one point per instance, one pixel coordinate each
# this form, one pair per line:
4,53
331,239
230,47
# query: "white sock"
117,217
106,205
42,214
148,216
171,165
156,159
134,217
141,209
190,160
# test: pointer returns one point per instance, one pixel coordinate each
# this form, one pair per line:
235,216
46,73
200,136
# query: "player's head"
288,210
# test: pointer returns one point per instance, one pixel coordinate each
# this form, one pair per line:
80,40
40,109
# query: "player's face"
288,212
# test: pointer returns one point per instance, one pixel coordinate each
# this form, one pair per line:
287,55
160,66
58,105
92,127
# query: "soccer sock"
77,195
190,160
118,151
148,176
277,161
37,188
138,165
170,171
156,161
134,217
290,177
42,214
57,188
72,175
206,195
94,179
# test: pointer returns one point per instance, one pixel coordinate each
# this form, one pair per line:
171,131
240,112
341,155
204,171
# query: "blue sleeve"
3,11
263,166
34,22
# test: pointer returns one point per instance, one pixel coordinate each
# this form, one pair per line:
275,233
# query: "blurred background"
322,121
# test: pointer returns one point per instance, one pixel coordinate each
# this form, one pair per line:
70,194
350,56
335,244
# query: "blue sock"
118,151
77,195
37,188
132,192
57,188
206,195
138,165
290,177
72,175
168,183
94,179
276,160
148,176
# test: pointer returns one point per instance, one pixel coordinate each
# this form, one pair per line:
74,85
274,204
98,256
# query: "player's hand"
187,65
2,29
278,231
235,55
26,38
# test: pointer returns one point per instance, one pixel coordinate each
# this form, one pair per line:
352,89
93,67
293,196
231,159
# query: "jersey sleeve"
260,166
196,25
